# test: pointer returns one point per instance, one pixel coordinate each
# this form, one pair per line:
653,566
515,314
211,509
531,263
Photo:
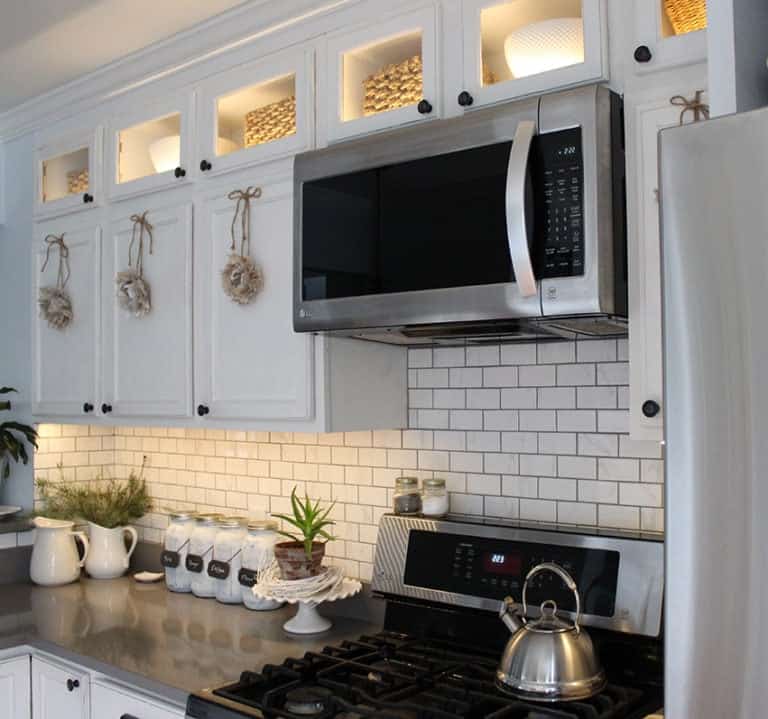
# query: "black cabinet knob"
424,107
651,408
643,53
106,408
128,716
87,407
202,410
87,198
179,172
465,99
205,165
72,684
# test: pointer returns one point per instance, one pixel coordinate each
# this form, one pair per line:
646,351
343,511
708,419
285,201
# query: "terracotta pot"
293,561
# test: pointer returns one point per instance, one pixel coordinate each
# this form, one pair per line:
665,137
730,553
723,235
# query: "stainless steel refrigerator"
714,207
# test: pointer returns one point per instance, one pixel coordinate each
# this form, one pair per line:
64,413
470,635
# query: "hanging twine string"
699,108
63,274
243,210
140,225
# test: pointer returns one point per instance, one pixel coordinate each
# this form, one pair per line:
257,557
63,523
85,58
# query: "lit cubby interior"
679,17
382,76
527,37
256,114
150,148
65,175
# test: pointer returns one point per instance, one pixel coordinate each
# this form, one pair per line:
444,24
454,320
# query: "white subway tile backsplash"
556,397
538,465
615,373
538,420
577,467
516,486
576,375
518,354
596,351
483,399
601,492
550,488
527,442
523,398
465,377
449,398
466,419
500,376
537,376
556,353
483,356
420,358
448,357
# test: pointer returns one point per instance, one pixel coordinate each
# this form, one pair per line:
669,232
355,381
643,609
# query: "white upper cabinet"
249,363
147,355
256,112
380,76
523,47
67,173
149,146
64,358
668,33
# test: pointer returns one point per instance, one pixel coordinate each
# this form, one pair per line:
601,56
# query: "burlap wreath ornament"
54,302
133,291
241,278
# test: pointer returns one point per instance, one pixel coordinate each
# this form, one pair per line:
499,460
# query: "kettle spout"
509,613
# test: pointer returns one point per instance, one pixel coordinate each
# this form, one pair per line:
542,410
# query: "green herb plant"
12,446
309,519
109,503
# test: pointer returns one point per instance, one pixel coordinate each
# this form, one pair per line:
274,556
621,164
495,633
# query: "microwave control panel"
557,169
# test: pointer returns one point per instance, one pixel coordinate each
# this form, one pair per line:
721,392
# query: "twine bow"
62,276
699,109
140,224
243,210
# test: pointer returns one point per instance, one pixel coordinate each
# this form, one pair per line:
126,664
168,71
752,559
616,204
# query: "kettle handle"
567,578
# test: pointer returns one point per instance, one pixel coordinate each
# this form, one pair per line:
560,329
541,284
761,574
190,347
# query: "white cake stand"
307,619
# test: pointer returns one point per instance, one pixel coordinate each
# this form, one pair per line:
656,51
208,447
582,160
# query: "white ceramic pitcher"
55,560
108,557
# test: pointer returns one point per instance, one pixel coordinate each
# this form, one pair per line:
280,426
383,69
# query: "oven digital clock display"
506,563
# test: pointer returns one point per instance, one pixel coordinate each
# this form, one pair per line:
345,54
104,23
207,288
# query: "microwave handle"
517,228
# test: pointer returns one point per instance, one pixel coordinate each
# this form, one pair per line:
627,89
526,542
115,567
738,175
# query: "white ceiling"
46,43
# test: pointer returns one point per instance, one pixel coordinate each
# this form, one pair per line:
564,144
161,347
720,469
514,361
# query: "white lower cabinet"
15,690
112,701
59,691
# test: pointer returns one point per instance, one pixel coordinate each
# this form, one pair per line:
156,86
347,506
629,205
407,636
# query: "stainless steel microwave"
507,223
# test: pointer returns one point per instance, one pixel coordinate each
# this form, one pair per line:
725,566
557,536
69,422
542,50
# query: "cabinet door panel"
111,702
15,691
148,359
249,362
65,361
58,692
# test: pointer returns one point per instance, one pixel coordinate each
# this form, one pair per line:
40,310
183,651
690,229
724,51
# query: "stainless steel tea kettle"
548,659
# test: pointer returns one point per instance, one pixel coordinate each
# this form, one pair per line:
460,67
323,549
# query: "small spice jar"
224,568
258,554
200,553
175,550
407,499
434,498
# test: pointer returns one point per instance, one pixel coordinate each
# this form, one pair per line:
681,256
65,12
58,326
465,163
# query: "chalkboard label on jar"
218,569
169,559
194,563
247,578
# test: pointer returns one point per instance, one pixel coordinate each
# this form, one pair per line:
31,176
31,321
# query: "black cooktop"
396,676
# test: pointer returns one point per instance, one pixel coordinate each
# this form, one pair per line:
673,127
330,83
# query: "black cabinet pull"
202,410
179,172
424,107
72,684
87,407
87,198
643,53
651,408
106,408
128,716
205,165
465,99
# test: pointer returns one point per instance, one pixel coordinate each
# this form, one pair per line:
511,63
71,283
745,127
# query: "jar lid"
435,483
407,481
232,521
263,525
208,519
182,515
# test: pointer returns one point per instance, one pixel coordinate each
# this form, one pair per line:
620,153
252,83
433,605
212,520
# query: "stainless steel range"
437,655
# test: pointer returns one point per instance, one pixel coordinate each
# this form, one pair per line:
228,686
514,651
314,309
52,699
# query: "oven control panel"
495,568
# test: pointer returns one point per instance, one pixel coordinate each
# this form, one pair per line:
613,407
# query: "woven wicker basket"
77,181
270,122
686,15
396,85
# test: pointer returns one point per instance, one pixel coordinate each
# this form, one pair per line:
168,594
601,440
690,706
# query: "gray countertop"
164,643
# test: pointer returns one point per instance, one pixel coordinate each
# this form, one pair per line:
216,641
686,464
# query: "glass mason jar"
175,550
434,498
258,554
227,556
407,498
200,553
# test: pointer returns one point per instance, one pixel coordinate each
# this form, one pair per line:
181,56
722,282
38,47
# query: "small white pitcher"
108,557
55,560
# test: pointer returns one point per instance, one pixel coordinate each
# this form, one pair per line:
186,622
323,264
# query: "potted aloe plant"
12,439
302,557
